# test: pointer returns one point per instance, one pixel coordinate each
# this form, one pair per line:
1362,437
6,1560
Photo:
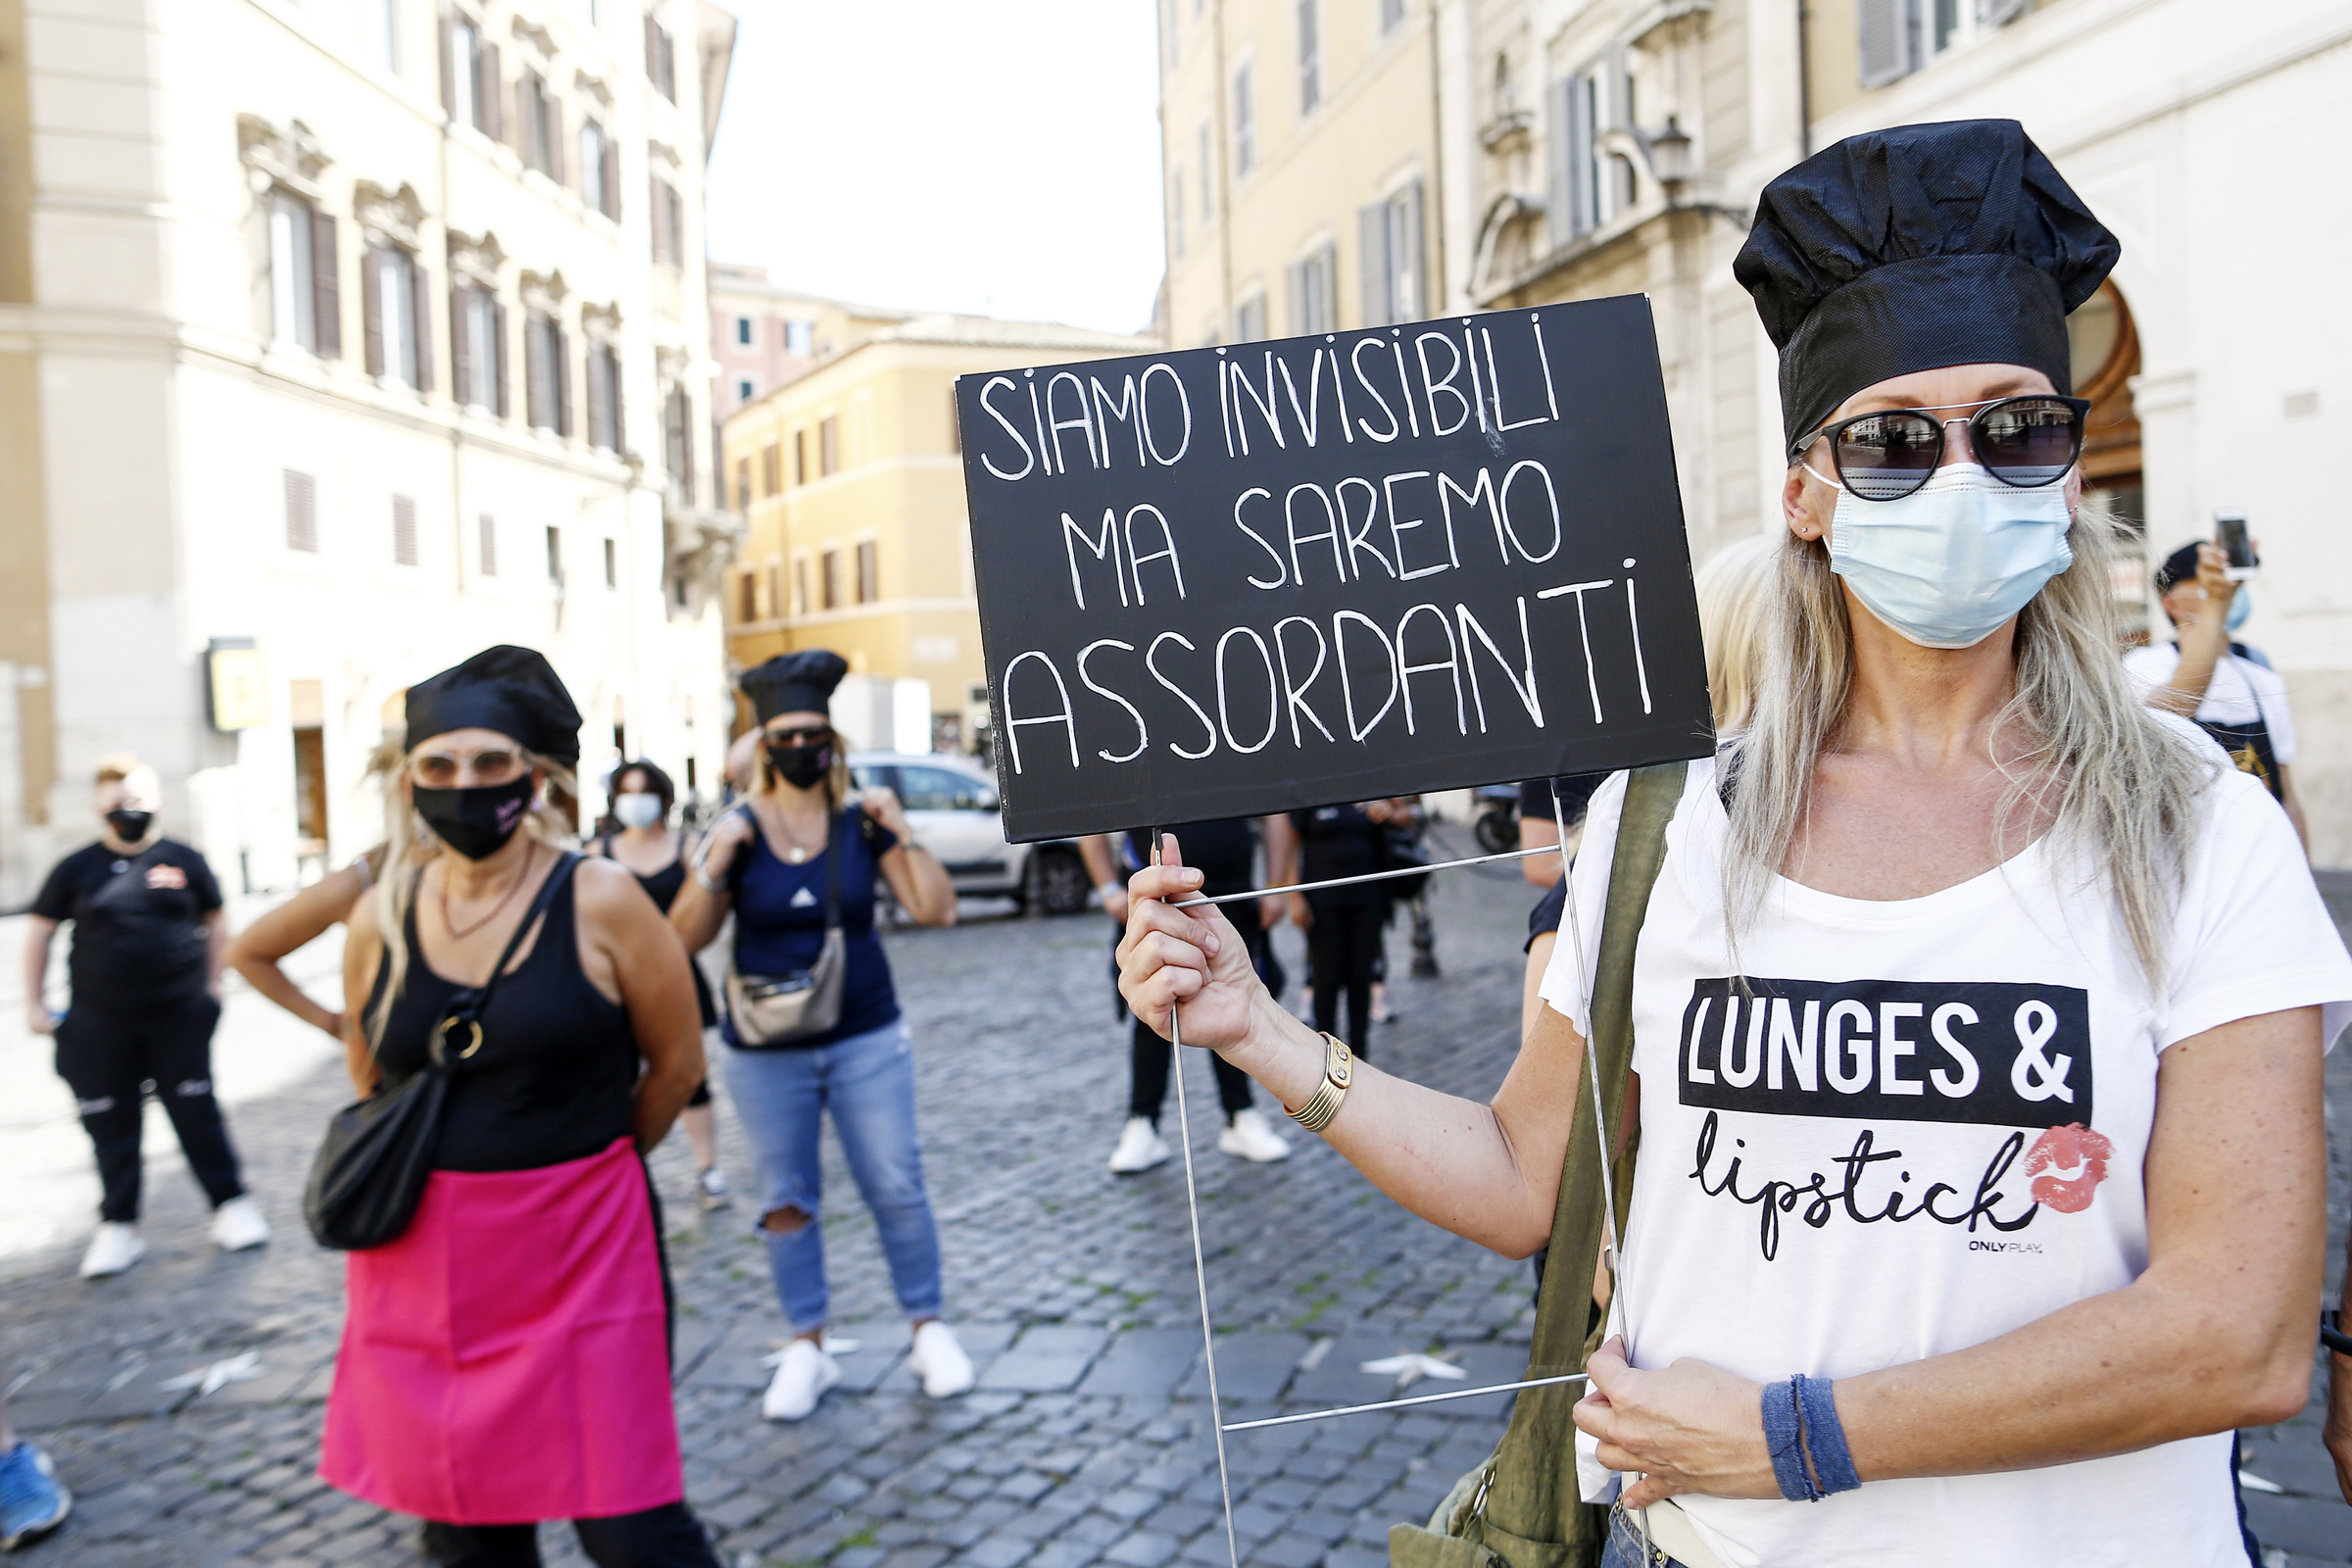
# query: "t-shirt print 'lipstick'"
1995,1054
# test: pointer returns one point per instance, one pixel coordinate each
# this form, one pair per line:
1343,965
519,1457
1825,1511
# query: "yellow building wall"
1373,127
899,485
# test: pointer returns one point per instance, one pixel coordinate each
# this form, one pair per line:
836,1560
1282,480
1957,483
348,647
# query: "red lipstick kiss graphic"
2066,1165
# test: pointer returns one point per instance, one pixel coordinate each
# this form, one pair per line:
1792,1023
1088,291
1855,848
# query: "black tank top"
556,1074
663,888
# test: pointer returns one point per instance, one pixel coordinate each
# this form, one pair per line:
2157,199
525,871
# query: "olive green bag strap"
1523,1507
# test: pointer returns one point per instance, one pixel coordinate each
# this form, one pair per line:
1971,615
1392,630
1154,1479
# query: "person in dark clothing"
1343,925
506,1358
1227,853
640,838
1539,826
149,936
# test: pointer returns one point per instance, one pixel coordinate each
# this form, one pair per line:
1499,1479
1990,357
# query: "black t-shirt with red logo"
138,922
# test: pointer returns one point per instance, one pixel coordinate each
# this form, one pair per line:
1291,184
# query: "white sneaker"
1250,1136
112,1251
1140,1147
802,1379
712,1188
939,1362
237,1225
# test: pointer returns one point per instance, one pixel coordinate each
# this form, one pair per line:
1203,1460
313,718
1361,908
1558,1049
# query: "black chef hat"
1914,247
795,683
513,691
2177,567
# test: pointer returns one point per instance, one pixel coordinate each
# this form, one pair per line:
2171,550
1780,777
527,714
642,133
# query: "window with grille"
404,530
302,511
870,571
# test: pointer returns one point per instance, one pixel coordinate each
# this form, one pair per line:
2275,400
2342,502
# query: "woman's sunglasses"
2026,442
804,735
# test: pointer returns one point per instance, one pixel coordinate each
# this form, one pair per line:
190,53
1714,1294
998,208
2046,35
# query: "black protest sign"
1222,582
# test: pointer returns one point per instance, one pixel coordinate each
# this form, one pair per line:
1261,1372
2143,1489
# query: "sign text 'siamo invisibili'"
1228,581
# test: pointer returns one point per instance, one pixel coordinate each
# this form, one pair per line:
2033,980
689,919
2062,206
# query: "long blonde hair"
2127,788
410,846
1734,588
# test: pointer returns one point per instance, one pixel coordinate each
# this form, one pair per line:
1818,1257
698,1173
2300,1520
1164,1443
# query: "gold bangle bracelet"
1339,1071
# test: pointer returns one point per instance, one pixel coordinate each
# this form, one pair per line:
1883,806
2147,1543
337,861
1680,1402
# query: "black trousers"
1344,954
668,1537
109,1057
1150,1058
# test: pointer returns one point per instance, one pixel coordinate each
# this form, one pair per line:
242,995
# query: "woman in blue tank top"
795,862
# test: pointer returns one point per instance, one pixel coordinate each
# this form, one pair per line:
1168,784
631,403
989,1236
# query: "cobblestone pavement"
1088,1438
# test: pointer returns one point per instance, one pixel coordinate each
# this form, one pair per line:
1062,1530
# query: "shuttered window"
828,445
1314,291
599,169
800,455
477,349
660,60
472,82
612,563
555,553
305,304
539,125
1310,58
404,530
771,469
1888,41
547,373
743,484
486,527
1588,186
302,511
1393,250
1245,120
828,578
870,571
800,585
677,441
604,397
669,221
747,598
399,316
1250,319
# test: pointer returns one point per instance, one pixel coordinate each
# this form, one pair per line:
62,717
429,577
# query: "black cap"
513,691
1914,247
793,683
2177,567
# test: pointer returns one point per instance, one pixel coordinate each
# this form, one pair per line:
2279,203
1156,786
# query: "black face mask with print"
130,826
477,820
802,766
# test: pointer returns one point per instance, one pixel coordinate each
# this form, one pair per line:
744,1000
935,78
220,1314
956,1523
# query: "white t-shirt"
2241,692
1904,1102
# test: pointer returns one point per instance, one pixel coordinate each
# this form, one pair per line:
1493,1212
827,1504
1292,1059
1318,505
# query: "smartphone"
2229,532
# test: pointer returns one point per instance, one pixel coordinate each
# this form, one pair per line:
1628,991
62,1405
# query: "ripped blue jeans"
868,1083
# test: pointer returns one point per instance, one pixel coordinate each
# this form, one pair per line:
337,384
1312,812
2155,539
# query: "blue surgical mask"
1947,565
637,811
2242,604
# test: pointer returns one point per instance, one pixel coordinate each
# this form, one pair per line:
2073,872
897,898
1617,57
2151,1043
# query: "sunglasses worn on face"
806,735
2026,442
437,772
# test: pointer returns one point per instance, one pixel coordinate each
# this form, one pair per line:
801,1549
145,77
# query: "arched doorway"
2105,346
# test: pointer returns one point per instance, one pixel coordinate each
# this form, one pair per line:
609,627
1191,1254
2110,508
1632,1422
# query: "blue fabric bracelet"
1823,1436
1781,1436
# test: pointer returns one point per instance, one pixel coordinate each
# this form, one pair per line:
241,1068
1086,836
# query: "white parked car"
952,804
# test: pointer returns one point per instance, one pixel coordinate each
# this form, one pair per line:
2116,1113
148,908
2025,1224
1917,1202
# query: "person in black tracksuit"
149,934
1343,925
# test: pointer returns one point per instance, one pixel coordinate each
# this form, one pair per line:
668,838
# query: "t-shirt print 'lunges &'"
1922,1124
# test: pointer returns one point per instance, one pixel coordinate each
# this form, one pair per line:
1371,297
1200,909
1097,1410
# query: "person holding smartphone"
2206,675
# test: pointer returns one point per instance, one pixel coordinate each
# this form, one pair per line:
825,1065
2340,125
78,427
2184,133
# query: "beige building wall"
1289,134
214,436
856,480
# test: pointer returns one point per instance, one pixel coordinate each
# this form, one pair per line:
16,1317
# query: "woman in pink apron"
507,1359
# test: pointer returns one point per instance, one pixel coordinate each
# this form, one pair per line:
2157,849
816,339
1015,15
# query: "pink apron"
507,1359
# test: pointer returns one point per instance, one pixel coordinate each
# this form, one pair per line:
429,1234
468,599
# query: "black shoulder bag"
371,1167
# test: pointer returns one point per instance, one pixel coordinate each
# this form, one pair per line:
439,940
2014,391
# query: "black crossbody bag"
371,1166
